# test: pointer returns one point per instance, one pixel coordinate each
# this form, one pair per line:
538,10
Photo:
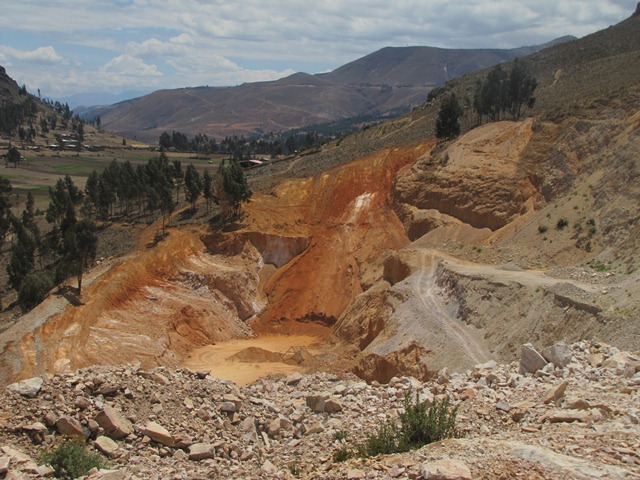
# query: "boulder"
5,461
106,445
71,427
119,474
317,402
158,433
555,393
558,354
201,451
530,359
332,406
233,399
27,388
113,423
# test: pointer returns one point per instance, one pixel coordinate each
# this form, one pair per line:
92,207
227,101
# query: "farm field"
40,170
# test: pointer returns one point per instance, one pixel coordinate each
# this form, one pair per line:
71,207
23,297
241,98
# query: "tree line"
503,92
22,117
38,262
154,188
240,147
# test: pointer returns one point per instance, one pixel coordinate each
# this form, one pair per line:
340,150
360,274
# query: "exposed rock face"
509,428
476,180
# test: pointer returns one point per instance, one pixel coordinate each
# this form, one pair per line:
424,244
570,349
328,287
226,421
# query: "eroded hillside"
413,258
396,254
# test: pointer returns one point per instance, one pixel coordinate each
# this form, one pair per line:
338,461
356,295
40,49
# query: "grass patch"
600,267
73,169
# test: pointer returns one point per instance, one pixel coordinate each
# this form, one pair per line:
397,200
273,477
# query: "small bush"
422,425
419,425
70,459
294,469
385,440
562,223
342,455
542,228
340,435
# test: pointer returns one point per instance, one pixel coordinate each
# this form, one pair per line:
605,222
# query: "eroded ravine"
314,251
193,289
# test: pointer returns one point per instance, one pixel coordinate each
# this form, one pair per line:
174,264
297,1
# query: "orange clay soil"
162,302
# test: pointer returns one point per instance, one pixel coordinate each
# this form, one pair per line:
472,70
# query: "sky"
66,47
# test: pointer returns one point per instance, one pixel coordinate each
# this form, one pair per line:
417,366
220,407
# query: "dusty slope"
361,246
422,257
195,288
151,308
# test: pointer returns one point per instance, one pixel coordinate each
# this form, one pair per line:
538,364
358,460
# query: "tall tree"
521,87
22,258
5,209
447,123
13,156
178,176
207,187
5,215
232,189
80,246
192,185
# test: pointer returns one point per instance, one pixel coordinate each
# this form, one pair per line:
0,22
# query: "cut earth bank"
406,261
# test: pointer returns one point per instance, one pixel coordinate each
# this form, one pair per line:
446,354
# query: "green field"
39,171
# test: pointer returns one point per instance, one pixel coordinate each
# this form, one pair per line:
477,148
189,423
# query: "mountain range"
384,83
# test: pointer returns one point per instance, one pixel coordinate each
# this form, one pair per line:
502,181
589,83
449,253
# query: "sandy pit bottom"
246,360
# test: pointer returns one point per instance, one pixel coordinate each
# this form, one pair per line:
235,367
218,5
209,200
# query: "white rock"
558,354
27,388
530,359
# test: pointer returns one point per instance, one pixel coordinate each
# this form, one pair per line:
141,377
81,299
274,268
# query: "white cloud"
176,43
39,55
126,65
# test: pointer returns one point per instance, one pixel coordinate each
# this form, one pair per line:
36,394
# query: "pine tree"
447,123
192,185
207,188
80,246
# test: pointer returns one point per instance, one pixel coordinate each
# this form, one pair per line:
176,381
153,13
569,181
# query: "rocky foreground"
572,412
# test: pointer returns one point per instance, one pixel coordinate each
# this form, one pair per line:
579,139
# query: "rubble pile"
561,412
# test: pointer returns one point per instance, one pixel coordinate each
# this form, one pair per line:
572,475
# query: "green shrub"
70,459
542,228
340,435
385,440
562,223
418,425
342,455
421,425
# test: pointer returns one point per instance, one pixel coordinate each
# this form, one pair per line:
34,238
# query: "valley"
496,268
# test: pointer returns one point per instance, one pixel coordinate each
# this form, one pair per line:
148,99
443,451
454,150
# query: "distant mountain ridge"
389,81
